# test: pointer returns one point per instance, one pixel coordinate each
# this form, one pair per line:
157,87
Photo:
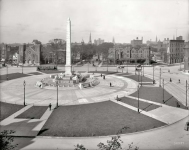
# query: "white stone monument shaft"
68,67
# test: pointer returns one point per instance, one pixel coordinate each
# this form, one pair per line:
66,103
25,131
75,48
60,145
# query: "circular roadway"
13,91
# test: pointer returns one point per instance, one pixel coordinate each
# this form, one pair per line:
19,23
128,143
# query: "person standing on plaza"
50,106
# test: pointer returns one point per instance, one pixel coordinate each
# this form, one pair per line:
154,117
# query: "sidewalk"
25,127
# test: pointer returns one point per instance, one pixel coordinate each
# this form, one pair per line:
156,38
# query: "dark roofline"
176,40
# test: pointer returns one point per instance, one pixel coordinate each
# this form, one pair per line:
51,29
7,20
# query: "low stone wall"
46,68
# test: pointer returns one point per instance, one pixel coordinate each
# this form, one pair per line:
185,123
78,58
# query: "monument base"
68,70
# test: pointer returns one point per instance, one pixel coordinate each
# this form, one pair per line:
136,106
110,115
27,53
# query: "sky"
21,21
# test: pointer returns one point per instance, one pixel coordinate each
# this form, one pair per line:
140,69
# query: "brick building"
175,50
186,56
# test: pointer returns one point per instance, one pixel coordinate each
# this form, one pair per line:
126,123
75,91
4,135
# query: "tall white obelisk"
68,67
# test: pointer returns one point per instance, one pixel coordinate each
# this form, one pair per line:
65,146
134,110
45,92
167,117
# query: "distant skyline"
24,20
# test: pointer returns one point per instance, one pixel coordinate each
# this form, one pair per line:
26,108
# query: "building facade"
98,41
136,42
22,54
186,56
176,51
129,54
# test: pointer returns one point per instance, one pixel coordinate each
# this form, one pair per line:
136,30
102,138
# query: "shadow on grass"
42,131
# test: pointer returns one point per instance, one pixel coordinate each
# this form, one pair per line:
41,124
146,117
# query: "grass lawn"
8,109
146,83
142,105
12,76
123,74
51,71
97,119
34,112
103,72
156,94
144,79
35,73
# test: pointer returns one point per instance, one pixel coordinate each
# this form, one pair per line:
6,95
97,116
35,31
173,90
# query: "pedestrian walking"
178,105
170,80
179,80
104,77
110,84
101,74
50,106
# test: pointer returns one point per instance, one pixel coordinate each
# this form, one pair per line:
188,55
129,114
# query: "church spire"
90,41
156,38
113,41
82,42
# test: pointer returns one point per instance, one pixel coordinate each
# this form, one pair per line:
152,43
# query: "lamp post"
24,92
107,64
22,68
7,73
141,76
163,91
138,98
186,92
153,74
160,78
138,91
57,93
143,70
88,66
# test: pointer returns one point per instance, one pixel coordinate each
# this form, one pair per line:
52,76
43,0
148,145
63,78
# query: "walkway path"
25,127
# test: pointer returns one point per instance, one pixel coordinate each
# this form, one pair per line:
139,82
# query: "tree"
104,49
6,140
113,144
80,147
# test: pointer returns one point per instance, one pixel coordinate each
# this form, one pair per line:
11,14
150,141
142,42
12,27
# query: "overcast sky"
25,20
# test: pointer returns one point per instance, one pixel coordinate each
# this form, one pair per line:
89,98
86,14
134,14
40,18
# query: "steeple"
156,38
82,42
173,37
113,41
90,41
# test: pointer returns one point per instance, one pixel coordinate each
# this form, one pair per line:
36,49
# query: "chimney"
137,38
